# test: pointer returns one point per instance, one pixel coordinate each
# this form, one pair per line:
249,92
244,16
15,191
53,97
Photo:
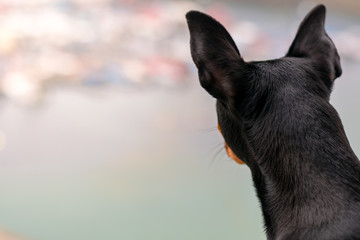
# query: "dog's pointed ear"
215,55
312,41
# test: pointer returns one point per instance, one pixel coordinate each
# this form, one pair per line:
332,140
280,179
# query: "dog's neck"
299,176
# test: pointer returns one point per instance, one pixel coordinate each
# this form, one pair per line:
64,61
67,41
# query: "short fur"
276,117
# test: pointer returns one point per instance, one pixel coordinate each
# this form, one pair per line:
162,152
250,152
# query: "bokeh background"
105,132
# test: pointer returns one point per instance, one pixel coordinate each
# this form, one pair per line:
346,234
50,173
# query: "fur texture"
276,117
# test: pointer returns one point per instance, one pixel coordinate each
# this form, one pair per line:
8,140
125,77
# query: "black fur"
276,117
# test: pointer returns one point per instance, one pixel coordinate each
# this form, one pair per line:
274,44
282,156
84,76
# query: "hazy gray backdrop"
105,132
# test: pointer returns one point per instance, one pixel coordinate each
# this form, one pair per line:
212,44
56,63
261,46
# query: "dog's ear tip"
319,10
320,7
193,14
189,15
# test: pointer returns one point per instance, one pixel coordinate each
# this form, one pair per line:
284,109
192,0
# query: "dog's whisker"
216,147
216,155
209,130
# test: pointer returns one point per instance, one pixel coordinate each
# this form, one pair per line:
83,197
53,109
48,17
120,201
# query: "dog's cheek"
232,155
229,152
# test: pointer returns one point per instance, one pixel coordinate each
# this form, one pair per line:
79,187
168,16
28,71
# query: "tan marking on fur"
229,152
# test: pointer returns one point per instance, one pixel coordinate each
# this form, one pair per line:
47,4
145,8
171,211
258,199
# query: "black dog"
276,117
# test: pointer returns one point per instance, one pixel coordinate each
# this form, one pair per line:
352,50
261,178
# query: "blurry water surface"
105,132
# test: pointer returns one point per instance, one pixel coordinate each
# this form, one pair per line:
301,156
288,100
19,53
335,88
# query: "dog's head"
247,91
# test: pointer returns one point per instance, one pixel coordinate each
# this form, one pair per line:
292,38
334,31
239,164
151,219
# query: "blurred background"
105,132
